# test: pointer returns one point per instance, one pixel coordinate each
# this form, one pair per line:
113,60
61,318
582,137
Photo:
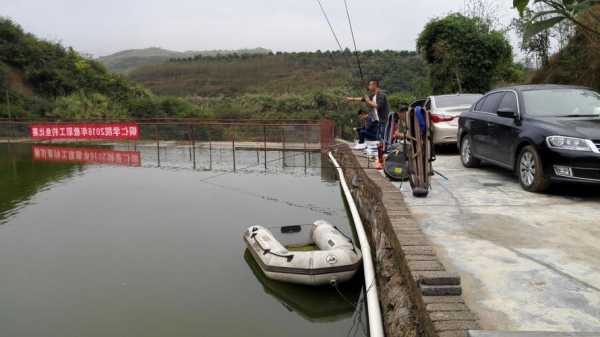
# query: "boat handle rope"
268,251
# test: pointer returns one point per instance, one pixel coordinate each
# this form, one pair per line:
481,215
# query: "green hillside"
282,73
128,60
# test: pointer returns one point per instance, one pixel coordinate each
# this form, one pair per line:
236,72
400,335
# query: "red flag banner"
86,155
104,131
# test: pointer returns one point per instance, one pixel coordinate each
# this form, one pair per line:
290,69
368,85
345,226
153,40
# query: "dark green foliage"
40,73
53,70
464,54
3,77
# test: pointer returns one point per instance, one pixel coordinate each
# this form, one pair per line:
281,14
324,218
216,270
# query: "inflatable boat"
337,259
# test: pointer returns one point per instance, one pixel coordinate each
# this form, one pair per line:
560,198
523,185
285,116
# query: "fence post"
305,135
157,144
233,148
265,143
209,149
193,145
283,143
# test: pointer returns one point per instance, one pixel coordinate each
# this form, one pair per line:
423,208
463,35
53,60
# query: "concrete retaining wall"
418,296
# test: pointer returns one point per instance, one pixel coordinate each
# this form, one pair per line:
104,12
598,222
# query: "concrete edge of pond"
415,290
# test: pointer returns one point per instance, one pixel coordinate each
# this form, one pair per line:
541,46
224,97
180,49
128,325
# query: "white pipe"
373,309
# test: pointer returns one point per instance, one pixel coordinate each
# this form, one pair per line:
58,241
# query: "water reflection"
21,177
86,155
315,304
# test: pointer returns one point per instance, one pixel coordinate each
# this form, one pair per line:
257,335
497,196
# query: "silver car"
445,110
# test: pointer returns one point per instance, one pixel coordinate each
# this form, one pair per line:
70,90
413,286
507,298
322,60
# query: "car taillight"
441,118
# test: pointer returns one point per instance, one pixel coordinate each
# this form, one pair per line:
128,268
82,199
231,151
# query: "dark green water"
91,250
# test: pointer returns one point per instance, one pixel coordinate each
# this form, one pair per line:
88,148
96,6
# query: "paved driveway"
527,261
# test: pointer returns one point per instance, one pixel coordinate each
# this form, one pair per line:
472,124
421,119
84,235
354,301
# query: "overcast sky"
101,27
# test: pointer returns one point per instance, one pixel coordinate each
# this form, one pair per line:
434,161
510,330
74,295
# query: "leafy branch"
557,11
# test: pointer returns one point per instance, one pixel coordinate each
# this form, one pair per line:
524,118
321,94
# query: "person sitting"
401,125
368,132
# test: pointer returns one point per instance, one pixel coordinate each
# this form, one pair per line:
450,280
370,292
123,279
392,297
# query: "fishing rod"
337,40
360,71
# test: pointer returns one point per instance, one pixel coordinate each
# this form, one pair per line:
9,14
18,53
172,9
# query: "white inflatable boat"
337,258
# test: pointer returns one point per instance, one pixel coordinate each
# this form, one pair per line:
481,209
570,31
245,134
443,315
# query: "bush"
396,100
464,54
83,107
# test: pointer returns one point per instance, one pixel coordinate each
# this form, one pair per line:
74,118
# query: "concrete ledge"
435,294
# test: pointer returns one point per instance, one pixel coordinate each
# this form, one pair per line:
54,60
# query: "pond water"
101,250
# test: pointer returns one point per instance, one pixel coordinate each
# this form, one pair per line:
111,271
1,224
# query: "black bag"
395,166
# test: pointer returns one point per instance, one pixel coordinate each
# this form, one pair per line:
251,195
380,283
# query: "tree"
537,45
486,10
556,11
464,54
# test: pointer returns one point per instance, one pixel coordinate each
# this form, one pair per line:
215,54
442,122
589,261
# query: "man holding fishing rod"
377,101
379,108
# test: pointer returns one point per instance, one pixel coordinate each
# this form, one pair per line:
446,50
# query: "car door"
475,125
482,139
504,131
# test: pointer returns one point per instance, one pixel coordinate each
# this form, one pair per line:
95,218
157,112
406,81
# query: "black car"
545,133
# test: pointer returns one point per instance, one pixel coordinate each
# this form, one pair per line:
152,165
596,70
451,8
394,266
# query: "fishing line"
357,318
335,286
362,78
310,207
330,26
337,40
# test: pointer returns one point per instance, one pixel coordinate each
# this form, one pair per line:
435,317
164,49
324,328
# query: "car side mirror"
506,113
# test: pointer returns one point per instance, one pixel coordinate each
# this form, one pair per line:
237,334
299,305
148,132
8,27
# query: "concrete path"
529,262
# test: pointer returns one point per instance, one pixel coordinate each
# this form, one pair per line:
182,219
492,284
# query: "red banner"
106,131
86,155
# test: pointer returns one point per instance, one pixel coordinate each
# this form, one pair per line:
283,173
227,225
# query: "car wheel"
466,155
531,171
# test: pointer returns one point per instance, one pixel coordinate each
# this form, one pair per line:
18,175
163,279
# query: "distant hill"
281,73
128,60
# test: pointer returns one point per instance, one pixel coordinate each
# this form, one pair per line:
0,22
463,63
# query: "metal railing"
245,134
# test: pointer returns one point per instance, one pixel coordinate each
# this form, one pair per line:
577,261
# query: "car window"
509,102
479,104
562,102
449,101
492,102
